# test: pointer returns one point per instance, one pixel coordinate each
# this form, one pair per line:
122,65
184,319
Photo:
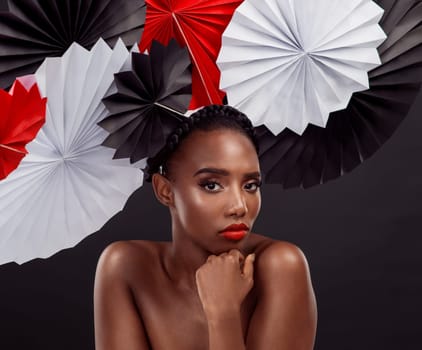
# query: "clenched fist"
222,282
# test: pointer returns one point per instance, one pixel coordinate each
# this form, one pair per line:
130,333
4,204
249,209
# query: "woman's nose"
236,204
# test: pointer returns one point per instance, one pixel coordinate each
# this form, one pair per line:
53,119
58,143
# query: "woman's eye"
211,186
252,186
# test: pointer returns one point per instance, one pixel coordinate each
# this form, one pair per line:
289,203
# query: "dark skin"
202,291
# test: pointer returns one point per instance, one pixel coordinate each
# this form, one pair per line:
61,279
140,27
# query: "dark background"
361,234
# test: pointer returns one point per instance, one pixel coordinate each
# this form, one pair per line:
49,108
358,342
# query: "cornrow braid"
209,118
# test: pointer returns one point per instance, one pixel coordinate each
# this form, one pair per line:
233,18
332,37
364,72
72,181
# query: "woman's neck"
182,260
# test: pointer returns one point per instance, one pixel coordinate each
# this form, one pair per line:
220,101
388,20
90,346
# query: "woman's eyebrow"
224,172
253,175
212,171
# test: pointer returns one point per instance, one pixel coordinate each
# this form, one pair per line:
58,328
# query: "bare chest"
175,320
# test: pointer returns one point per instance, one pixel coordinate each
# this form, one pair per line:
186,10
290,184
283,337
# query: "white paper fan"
68,186
288,63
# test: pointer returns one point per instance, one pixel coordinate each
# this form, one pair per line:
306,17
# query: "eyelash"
206,183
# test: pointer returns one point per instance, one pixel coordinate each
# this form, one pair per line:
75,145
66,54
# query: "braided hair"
209,118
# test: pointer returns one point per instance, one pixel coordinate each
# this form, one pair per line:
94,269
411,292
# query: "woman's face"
215,180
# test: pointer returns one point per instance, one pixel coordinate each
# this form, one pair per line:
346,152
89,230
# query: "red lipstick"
234,232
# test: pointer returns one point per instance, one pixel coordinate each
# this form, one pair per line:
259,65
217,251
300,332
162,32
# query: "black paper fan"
31,30
150,101
355,133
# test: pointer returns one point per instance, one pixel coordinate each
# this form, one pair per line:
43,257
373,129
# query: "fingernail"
253,257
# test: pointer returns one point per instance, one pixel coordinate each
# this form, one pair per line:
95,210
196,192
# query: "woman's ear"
162,189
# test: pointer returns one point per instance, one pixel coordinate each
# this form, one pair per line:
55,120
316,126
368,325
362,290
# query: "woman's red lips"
236,227
234,235
235,232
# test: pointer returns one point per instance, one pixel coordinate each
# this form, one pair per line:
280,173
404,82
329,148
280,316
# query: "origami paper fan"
287,64
198,25
67,186
149,102
32,30
354,134
22,114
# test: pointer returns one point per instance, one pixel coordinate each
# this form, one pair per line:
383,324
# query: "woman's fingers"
248,267
237,255
223,281
211,257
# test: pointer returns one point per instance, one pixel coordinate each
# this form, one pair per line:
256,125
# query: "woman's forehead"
221,148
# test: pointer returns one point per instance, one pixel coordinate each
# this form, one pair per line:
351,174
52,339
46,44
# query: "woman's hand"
223,284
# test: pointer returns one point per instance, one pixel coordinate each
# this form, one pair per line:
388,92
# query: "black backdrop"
361,234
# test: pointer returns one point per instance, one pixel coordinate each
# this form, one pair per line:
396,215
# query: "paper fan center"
292,51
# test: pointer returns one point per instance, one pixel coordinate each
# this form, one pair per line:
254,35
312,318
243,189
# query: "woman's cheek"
258,205
254,206
198,199
193,205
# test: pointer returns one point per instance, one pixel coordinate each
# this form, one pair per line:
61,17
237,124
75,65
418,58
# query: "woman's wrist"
221,314
225,330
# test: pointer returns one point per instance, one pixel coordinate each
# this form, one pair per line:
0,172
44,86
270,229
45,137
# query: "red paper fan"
22,115
199,25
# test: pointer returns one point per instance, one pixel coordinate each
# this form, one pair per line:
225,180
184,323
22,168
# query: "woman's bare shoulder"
286,312
264,245
126,258
274,256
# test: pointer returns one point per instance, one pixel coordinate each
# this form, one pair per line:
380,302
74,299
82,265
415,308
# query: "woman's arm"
225,332
118,324
285,317
222,286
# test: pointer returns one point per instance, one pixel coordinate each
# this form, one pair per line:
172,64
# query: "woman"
217,285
